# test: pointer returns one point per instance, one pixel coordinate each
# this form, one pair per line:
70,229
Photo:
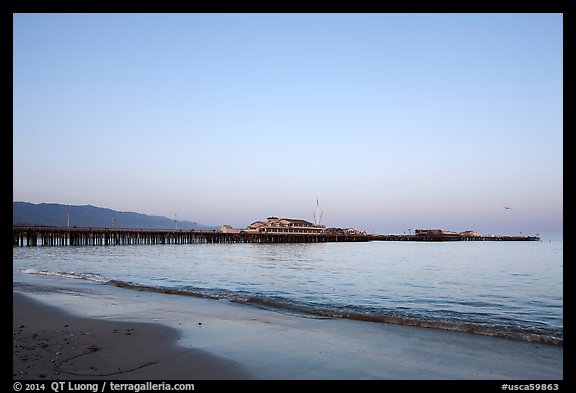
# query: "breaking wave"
538,335
542,335
74,275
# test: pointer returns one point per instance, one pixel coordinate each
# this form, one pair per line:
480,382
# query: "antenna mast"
318,214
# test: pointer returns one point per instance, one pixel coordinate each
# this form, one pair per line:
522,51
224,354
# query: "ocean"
506,289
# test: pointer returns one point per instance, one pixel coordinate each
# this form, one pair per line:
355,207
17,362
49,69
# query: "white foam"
72,275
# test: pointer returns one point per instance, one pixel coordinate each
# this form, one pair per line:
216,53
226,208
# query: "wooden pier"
65,236
58,236
453,238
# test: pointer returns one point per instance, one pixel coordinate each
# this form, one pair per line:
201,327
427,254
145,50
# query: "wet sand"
127,329
51,344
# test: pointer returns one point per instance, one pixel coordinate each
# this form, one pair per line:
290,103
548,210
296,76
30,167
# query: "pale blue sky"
394,121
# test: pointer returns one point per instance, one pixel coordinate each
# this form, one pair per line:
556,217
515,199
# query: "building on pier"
229,229
284,225
345,231
440,232
275,225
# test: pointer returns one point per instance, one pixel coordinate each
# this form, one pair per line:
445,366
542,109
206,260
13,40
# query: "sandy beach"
51,344
114,333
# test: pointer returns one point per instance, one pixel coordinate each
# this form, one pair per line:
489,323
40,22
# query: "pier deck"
65,236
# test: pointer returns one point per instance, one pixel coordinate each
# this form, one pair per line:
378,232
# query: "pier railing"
71,236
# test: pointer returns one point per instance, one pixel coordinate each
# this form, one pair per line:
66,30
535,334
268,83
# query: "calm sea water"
511,289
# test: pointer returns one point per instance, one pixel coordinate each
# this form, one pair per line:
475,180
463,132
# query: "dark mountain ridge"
88,216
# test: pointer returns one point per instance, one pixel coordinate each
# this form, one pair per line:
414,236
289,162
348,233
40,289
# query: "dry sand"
51,344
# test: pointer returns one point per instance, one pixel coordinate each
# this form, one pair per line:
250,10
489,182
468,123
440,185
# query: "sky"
393,121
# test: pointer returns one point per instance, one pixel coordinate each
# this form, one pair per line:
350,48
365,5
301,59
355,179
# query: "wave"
497,329
537,335
73,275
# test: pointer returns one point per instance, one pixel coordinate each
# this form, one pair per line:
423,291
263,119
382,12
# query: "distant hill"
88,216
